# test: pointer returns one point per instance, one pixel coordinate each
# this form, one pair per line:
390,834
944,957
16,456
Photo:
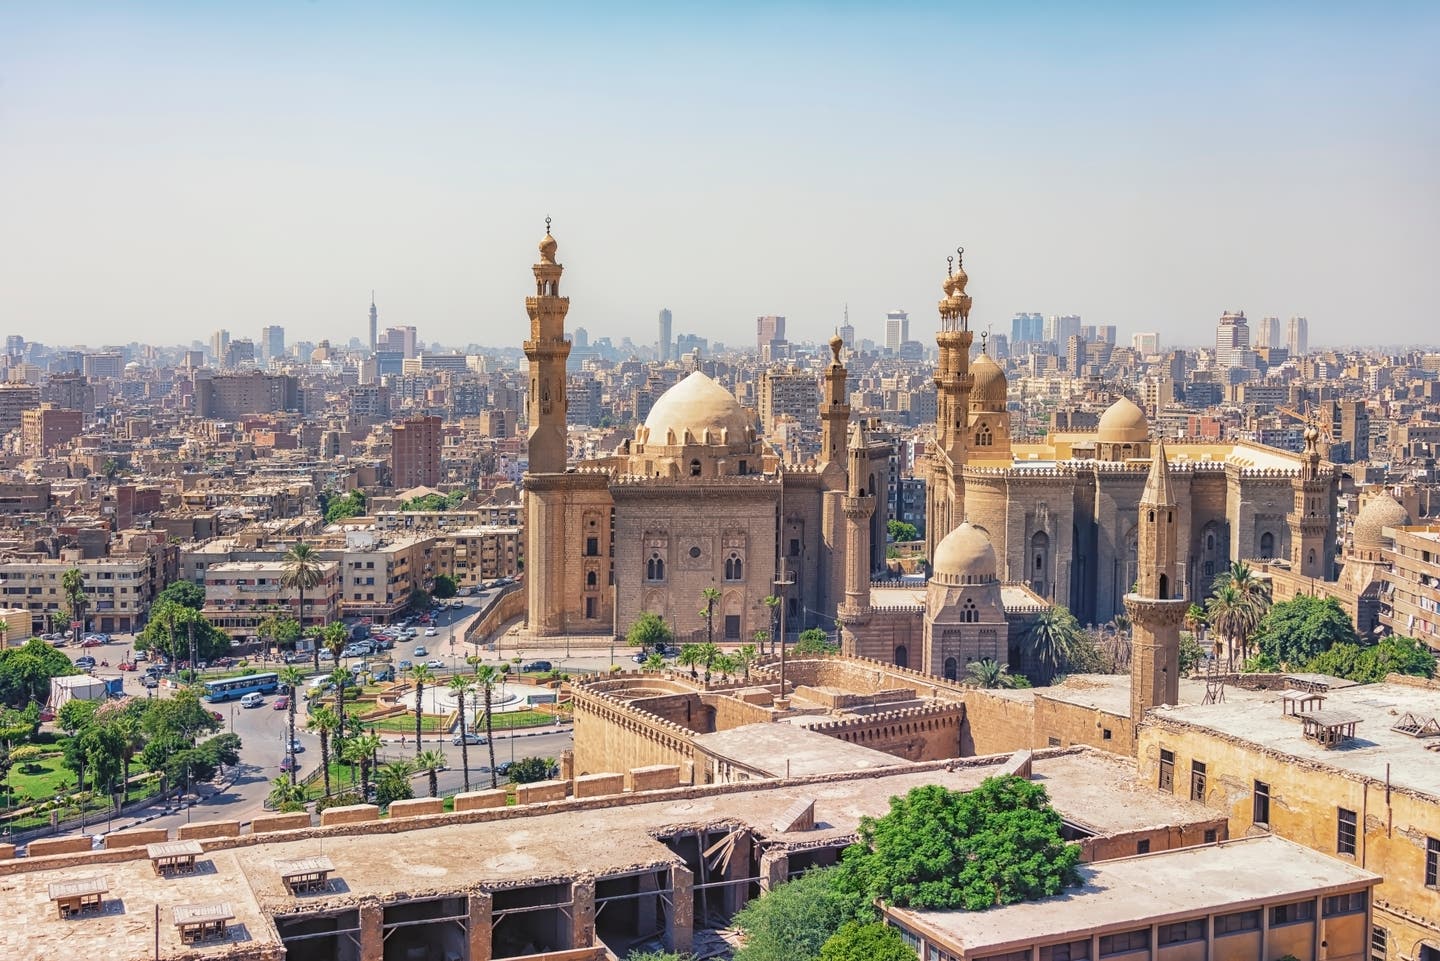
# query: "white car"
470,738
431,632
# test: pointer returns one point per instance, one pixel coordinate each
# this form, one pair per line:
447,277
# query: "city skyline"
177,172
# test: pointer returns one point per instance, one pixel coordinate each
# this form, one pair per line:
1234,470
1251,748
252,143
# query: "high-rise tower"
835,410
666,340
1156,604
547,350
374,323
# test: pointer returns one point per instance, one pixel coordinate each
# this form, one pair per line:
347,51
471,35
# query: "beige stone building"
240,595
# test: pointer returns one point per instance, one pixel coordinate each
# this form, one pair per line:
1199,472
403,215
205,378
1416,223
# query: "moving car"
537,666
281,703
470,738
419,651
296,747
253,699
435,664
84,661
431,632
288,762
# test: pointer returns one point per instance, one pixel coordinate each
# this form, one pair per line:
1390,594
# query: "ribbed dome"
697,404
1123,423
991,388
965,556
1379,512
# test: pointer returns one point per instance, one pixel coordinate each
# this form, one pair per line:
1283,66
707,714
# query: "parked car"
326,656
84,661
141,656
149,680
281,703
296,747
537,666
435,664
91,642
405,665
470,738
431,632
288,762
419,651
127,665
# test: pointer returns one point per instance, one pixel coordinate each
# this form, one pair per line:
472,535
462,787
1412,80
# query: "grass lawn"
39,780
405,724
515,719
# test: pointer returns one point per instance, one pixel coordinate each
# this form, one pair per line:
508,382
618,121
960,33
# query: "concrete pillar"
680,932
372,937
482,908
774,870
645,907
582,913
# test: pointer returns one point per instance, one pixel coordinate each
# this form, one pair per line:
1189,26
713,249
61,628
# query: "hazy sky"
170,168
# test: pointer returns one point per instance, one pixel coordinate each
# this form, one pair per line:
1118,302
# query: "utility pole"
783,580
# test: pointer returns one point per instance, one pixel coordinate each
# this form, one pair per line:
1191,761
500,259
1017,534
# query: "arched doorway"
1039,575
902,656
952,669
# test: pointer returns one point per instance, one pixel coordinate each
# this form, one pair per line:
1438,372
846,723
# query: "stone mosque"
696,500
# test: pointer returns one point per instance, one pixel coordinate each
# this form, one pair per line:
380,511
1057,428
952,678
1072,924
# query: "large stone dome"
697,404
965,556
1378,513
1123,423
991,389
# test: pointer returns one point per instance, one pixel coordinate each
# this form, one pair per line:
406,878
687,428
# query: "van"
253,699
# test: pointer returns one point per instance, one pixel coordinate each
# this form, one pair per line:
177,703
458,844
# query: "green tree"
1192,652
302,570
420,675
690,657
172,628
793,922
285,795
392,783
431,761
902,531
942,849
814,640
185,593
647,630
527,770
709,597
324,722
461,688
1369,664
419,600
1238,602
486,677
341,679
25,672
1300,629
655,662
360,751
1054,638
443,587
746,656
350,504
72,584
637,955
856,941
988,673
292,678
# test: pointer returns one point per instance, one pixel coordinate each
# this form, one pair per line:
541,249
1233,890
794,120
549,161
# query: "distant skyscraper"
768,329
1267,332
1232,339
415,452
1297,336
1145,343
1105,334
847,330
1059,328
401,339
219,345
897,330
1027,328
374,323
666,338
272,343
580,340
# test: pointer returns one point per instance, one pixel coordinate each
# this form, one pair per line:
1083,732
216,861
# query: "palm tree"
1234,615
292,678
285,795
655,662
335,636
460,688
989,674
340,677
302,572
746,657
131,736
689,656
1195,619
709,597
486,677
72,583
430,762
420,675
323,722
772,601
707,654
727,665
1053,637
1253,596
361,750
392,781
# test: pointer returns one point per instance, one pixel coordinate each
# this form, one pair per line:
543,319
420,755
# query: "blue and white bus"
233,687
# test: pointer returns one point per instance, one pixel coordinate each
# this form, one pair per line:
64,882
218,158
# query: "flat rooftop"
1151,888
789,750
1374,751
423,859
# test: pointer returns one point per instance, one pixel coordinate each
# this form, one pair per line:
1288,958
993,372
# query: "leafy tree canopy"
648,630
338,507
185,593
793,922
815,641
1297,630
902,531
527,770
435,502
170,628
444,587
25,672
866,942
997,844
1370,664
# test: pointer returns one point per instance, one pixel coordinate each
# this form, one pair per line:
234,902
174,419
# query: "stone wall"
611,735
1063,724
997,723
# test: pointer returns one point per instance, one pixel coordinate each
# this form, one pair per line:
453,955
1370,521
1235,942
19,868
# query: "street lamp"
782,581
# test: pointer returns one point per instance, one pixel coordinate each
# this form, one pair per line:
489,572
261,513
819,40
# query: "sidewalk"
409,739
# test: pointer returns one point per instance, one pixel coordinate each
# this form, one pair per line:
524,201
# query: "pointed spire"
1157,485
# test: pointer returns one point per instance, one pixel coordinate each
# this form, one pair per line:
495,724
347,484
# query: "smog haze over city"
169,169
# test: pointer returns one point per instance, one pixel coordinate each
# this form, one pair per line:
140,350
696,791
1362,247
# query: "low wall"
598,785
541,791
656,777
281,822
481,800
417,807
44,846
349,814
135,838
207,829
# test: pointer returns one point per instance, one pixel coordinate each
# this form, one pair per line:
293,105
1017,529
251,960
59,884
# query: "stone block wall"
296,821
417,807
135,838
1062,724
207,829
653,778
47,846
597,785
481,800
349,814
541,791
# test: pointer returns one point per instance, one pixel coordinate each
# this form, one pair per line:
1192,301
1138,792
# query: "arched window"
968,613
1267,545
734,567
983,437
1164,587
1152,517
655,567
695,468
591,580
1209,542
902,656
1311,559
952,670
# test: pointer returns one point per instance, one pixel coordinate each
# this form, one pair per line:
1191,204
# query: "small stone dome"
697,404
1123,423
548,247
991,388
1379,512
965,556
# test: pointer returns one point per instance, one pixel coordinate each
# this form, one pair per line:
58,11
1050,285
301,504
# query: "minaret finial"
547,225
984,336
949,266
960,251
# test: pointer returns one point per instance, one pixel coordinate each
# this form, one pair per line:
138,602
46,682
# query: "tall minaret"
1311,522
374,323
1156,605
547,350
858,507
835,410
953,380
